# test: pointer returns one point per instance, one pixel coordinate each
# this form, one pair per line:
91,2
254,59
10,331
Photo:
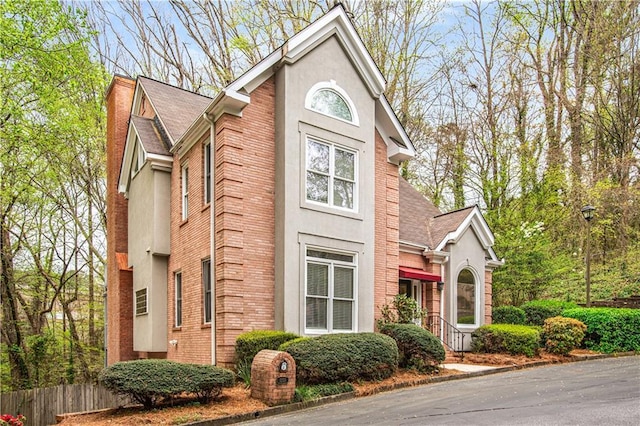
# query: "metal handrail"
450,336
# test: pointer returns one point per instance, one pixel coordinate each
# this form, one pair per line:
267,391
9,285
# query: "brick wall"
190,246
488,294
245,221
386,227
119,280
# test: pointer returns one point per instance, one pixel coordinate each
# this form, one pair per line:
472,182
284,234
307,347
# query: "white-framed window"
139,157
207,172
141,302
330,291
331,172
206,286
178,287
330,99
185,191
466,298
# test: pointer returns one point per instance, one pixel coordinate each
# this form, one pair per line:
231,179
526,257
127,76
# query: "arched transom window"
466,298
330,99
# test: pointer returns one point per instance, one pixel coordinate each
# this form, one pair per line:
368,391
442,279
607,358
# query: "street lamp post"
587,213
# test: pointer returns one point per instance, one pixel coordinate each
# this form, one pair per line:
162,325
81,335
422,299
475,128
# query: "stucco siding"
300,222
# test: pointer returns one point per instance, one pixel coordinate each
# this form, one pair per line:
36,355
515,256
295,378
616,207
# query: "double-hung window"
331,172
206,284
178,313
185,192
330,291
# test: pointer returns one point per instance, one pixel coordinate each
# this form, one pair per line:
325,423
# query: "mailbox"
273,377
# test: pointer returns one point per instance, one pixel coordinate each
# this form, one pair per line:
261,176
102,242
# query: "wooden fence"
41,405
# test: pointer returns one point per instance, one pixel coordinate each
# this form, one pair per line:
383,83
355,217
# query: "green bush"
250,343
537,311
402,310
311,392
148,381
509,315
609,329
562,335
418,349
333,358
510,338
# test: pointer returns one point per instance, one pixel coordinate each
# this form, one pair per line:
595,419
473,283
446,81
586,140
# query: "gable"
236,96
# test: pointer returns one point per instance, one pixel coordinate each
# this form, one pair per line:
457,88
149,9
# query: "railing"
450,336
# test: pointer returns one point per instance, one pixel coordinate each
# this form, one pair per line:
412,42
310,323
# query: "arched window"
466,299
330,99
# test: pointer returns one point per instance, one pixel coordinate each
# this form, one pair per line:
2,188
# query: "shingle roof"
177,108
442,224
420,220
149,135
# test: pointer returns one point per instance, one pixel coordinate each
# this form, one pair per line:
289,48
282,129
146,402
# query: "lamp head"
587,212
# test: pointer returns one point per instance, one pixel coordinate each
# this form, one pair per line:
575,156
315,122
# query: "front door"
413,289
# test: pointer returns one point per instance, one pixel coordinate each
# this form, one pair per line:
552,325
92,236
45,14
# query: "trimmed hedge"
509,315
511,338
418,349
537,311
333,358
609,329
148,381
562,335
249,344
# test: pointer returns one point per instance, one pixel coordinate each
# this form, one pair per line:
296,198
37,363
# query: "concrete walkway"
468,368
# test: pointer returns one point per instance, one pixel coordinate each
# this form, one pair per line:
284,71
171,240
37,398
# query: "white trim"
476,221
184,191
175,299
331,174
332,86
389,127
331,263
478,313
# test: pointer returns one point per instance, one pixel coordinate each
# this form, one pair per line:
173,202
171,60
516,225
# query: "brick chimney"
119,319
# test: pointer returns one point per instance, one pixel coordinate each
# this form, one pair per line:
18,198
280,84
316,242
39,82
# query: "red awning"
418,274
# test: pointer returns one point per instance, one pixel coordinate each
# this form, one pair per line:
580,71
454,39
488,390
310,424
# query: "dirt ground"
237,400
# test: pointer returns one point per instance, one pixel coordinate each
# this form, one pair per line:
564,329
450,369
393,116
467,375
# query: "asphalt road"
597,392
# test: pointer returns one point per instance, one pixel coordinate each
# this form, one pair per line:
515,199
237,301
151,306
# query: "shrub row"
511,338
509,315
609,329
537,311
149,381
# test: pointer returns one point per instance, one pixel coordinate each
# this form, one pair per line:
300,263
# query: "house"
276,204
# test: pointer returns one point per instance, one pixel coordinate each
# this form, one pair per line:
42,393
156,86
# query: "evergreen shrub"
249,344
509,315
537,311
148,381
509,338
562,335
333,358
418,348
609,329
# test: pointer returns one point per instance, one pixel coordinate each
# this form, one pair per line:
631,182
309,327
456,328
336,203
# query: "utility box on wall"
273,377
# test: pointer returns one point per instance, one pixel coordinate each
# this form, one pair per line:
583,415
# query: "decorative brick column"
273,377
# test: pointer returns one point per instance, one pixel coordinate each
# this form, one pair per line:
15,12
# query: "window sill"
184,222
206,325
177,328
206,207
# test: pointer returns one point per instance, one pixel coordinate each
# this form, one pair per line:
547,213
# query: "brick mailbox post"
273,377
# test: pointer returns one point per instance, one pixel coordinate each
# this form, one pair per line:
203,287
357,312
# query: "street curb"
281,409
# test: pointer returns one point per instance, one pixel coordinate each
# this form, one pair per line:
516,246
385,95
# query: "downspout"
212,241
442,297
